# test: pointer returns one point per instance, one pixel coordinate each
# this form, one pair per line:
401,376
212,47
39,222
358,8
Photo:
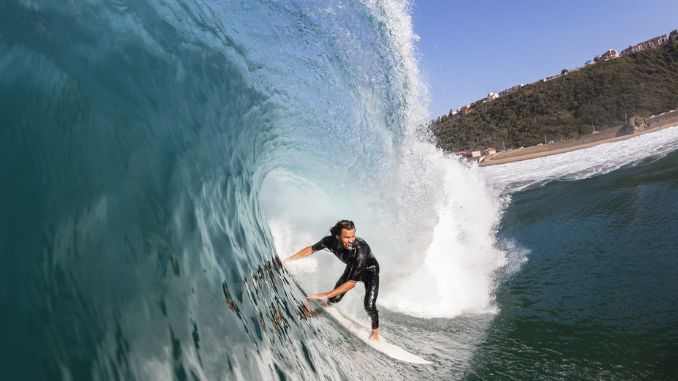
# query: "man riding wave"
361,266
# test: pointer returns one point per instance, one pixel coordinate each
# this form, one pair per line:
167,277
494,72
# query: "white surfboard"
382,346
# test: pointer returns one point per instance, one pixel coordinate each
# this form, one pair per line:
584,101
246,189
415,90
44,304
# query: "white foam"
429,219
581,164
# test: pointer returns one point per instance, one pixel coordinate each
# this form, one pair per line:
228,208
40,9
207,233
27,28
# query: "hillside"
642,84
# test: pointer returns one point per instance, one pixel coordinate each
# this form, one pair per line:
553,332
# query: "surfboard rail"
380,345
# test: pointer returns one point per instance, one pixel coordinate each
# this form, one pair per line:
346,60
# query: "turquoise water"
136,136
158,157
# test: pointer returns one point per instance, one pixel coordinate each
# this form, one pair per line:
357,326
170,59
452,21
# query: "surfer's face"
347,238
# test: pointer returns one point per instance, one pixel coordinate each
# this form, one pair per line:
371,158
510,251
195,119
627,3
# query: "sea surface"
158,158
597,296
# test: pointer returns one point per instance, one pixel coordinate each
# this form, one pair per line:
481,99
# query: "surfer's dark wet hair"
343,224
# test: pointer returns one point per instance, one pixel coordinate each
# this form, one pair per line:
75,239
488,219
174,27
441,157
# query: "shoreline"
534,152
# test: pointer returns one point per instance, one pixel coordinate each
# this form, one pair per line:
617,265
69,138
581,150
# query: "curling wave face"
158,155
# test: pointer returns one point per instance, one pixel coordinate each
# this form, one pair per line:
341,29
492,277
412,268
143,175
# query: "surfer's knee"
370,305
370,302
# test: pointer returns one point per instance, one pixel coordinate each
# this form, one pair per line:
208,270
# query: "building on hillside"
464,109
510,89
492,96
652,43
608,55
476,156
489,151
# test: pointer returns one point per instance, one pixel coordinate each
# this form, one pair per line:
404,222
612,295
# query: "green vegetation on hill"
643,84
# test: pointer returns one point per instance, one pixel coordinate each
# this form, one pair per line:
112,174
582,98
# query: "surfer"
361,266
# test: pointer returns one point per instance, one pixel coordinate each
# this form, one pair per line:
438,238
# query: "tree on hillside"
673,38
642,84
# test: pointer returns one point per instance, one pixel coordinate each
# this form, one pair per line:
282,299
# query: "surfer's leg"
371,281
342,280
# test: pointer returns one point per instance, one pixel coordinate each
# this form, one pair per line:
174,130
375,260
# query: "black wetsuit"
361,266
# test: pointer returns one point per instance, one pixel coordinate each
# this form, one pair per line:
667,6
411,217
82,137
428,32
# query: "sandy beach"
606,136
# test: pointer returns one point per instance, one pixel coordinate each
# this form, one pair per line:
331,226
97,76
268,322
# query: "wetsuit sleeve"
324,243
358,265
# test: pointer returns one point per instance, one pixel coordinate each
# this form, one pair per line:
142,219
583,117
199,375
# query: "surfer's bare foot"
375,335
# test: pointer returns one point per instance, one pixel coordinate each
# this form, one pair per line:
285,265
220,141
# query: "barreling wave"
157,156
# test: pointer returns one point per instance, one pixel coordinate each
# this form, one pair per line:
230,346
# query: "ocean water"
159,157
596,296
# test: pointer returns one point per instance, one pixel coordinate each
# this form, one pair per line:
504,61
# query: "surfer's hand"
316,296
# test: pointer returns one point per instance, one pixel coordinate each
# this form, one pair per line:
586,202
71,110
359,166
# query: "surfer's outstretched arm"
347,286
308,250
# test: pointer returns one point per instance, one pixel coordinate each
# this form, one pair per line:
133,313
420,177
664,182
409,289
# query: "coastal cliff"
598,96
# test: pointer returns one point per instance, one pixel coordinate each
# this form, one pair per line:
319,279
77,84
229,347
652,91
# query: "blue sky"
470,48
